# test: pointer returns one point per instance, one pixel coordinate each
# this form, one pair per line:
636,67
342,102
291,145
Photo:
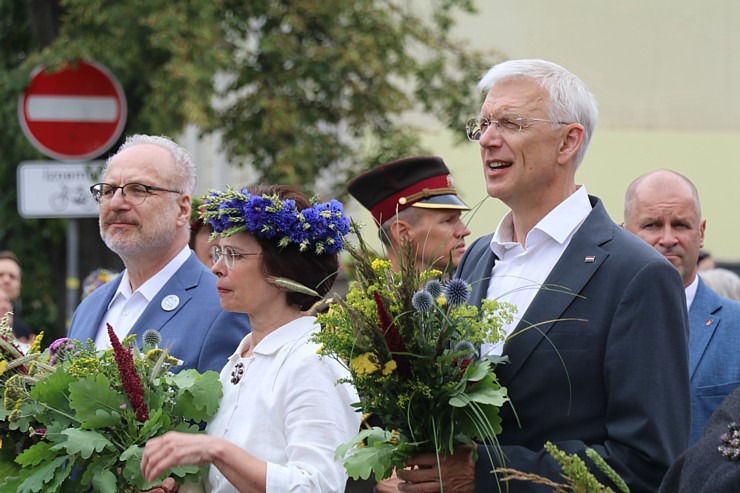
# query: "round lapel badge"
170,302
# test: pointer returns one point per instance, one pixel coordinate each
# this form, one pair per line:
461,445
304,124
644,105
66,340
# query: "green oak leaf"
41,476
157,421
96,405
196,398
36,454
368,460
83,442
104,482
132,468
488,394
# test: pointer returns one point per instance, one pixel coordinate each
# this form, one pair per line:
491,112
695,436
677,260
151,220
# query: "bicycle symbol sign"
77,195
53,189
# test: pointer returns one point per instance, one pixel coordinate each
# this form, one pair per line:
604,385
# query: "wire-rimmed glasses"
476,127
229,255
133,193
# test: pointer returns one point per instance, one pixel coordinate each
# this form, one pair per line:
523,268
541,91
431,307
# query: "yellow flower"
3,366
36,346
389,367
364,364
379,265
84,367
153,355
442,301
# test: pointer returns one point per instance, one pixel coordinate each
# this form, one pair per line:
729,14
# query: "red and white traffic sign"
75,114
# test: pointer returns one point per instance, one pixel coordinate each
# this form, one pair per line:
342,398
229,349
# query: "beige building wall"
666,75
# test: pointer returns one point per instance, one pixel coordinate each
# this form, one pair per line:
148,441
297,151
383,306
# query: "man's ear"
571,143
185,204
400,231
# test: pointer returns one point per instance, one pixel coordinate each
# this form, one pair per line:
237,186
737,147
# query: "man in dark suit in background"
606,366
662,207
145,201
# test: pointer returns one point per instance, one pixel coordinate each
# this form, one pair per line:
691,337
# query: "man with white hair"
145,205
597,352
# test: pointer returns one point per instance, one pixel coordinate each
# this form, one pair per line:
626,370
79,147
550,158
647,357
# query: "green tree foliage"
299,89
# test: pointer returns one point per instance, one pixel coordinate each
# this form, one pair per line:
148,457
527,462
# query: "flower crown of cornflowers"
320,228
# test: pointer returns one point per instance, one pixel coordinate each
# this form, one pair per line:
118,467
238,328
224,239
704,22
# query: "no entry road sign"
75,114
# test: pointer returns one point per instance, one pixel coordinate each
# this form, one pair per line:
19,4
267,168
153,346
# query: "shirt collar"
152,285
558,224
279,337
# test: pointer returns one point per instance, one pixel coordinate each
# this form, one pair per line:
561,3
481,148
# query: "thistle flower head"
435,288
466,348
457,292
151,338
422,301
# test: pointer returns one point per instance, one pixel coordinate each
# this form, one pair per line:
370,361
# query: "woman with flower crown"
283,414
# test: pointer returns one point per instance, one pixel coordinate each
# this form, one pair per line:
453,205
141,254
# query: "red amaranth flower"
130,379
393,337
462,363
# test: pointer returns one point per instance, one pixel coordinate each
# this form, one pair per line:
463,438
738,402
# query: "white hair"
569,100
185,171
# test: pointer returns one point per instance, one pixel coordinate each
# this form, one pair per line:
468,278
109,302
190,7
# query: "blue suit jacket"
714,364
608,368
197,330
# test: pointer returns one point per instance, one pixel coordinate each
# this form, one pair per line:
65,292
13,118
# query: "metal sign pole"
73,276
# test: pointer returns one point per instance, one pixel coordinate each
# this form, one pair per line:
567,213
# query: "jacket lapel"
704,317
89,323
169,300
579,262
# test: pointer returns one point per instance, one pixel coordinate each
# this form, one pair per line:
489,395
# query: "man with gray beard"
145,204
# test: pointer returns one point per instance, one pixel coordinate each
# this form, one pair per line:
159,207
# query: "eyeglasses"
476,127
229,255
133,193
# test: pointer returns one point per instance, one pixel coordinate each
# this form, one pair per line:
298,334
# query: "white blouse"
287,409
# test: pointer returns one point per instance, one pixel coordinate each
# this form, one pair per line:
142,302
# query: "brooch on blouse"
237,372
730,448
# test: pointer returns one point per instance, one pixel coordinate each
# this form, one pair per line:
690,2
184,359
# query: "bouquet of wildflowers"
92,411
14,362
410,342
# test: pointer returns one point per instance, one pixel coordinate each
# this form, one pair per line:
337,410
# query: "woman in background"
283,414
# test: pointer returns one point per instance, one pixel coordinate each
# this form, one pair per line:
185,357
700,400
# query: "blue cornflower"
320,228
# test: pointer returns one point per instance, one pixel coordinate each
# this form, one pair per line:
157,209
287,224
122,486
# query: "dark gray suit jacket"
609,367
196,331
701,469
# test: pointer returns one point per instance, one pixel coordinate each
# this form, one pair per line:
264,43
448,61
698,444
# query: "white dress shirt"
691,291
126,306
287,410
519,272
